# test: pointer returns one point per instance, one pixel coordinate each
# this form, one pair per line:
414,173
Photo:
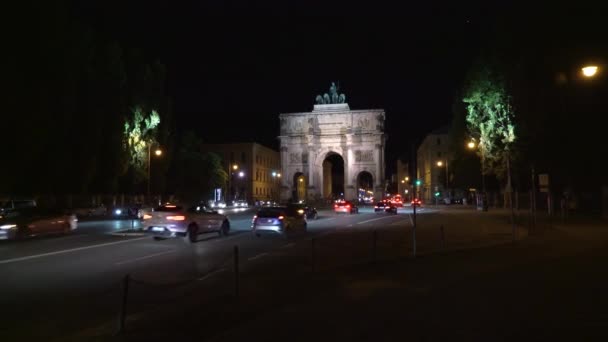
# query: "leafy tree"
139,136
196,174
490,119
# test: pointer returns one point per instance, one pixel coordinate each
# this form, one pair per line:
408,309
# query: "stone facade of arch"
307,138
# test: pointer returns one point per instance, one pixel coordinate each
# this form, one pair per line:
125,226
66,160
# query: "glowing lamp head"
301,180
241,174
158,152
589,71
471,145
440,163
235,167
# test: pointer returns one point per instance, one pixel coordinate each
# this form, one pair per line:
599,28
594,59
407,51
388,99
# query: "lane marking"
145,257
376,219
209,275
258,256
7,261
289,245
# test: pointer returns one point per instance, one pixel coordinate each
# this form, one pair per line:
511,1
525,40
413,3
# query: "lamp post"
158,152
229,182
471,145
447,180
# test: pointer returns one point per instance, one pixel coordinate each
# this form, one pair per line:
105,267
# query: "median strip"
7,261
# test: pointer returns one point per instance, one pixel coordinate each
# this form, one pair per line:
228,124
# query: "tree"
490,120
196,174
139,135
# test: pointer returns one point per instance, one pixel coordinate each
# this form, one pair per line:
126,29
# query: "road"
47,279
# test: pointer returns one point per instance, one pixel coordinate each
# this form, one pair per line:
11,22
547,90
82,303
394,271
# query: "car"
35,221
380,206
309,212
416,202
345,207
281,220
11,205
390,208
240,204
218,204
170,221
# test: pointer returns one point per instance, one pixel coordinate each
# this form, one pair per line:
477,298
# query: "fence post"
442,232
236,271
123,307
374,246
312,254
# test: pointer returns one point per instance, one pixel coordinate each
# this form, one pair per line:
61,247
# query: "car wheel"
225,229
192,234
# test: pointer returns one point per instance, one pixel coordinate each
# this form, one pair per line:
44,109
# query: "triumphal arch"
332,152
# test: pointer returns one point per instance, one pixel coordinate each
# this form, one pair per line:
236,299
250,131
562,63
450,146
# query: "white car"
175,221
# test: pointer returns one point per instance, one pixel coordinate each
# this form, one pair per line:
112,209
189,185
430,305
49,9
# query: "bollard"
442,232
236,271
374,246
312,255
123,308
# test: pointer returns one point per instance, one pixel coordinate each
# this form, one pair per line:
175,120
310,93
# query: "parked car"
345,207
35,221
281,220
241,204
168,221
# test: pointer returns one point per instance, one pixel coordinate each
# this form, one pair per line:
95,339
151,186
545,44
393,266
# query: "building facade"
254,171
433,164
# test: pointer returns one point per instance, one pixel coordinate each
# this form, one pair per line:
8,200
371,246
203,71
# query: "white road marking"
258,256
63,251
376,219
212,273
289,245
145,257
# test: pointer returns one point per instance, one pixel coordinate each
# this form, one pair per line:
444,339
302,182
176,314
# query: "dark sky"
235,65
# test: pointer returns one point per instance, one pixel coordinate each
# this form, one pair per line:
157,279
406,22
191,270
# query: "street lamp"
158,152
241,174
440,164
589,70
471,145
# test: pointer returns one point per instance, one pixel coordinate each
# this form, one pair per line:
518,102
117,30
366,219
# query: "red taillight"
376,207
348,206
281,217
176,218
335,205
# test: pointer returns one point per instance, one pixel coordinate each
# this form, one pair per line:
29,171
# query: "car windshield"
272,212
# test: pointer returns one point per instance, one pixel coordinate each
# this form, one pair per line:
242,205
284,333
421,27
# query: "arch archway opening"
299,187
333,176
365,187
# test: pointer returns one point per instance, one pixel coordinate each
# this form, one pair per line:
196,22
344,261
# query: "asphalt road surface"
45,281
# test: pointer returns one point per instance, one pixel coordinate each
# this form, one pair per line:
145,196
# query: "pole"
533,204
510,188
149,164
375,242
312,254
236,271
414,203
123,307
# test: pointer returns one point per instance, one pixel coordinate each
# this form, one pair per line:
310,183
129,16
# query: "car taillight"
176,218
335,205
281,217
376,207
348,206
146,216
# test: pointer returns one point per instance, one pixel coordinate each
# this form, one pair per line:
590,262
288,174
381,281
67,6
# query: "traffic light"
437,194
418,182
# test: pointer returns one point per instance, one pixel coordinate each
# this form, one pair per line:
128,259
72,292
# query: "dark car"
345,207
380,206
390,208
309,212
29,222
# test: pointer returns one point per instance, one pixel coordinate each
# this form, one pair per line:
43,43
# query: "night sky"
235,65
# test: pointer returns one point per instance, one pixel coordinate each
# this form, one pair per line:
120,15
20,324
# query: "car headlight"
118,211
8,226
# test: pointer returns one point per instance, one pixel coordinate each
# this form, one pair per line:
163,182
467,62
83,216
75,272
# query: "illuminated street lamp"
589,70
471,145
407,179
440,164
279,175
158,152
235,167
241,174
301,180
